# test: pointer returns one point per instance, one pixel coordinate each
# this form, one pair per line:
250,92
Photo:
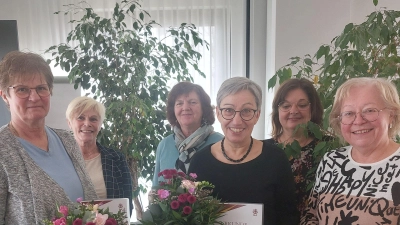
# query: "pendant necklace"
238,160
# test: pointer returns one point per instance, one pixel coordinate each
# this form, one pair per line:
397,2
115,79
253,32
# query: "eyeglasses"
369,114
245,114
22,91
301,105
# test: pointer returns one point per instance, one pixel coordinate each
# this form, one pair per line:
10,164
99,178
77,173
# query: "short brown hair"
21,65
185,88
287,86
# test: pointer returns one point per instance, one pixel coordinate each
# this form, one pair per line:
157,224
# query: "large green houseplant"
369,49
127,68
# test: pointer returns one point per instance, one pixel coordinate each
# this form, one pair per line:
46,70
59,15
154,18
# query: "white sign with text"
236,213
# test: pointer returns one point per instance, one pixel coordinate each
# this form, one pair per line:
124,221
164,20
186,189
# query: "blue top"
51,161
167,154
116,173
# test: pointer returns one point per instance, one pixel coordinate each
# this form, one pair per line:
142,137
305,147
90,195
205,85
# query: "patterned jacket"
27,194
116,173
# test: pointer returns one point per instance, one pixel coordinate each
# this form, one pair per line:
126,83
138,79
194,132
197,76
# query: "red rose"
187,210
111,221
182,198
181,174
175,204
191,199
77,222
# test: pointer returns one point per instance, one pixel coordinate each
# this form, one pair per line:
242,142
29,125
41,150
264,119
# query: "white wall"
302,26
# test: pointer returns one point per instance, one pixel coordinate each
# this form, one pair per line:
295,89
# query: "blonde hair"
388,93
81,104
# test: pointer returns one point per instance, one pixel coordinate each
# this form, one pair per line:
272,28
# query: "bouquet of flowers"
87,214
180,200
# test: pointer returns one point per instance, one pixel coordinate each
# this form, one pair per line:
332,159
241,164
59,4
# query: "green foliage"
127,69
369,49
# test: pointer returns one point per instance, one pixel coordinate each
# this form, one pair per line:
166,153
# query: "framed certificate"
242,213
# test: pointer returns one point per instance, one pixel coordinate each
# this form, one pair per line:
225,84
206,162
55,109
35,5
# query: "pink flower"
191,190
182,198
111,221
160,174
100,219
90,223
77,221
162,193
187,184
187,210
64,210
175,204
193,175
191,199
79,199
60,221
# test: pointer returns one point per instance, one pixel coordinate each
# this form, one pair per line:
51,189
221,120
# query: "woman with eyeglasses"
242,168
360,183
41,167
296,102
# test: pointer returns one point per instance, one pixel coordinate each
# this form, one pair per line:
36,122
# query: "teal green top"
167,154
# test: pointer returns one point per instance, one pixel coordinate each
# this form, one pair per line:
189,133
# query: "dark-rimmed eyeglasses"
369,114
301,105
245,114
23,92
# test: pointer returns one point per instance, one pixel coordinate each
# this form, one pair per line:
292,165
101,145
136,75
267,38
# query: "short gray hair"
236,84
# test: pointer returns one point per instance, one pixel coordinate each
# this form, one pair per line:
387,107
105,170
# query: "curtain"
39,28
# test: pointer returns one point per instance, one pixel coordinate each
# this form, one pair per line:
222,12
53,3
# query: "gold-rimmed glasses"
368,114
22,91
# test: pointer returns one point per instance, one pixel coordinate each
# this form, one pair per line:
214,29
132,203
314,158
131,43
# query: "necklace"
238,160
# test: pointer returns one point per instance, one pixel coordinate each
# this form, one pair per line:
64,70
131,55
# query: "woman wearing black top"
242,168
